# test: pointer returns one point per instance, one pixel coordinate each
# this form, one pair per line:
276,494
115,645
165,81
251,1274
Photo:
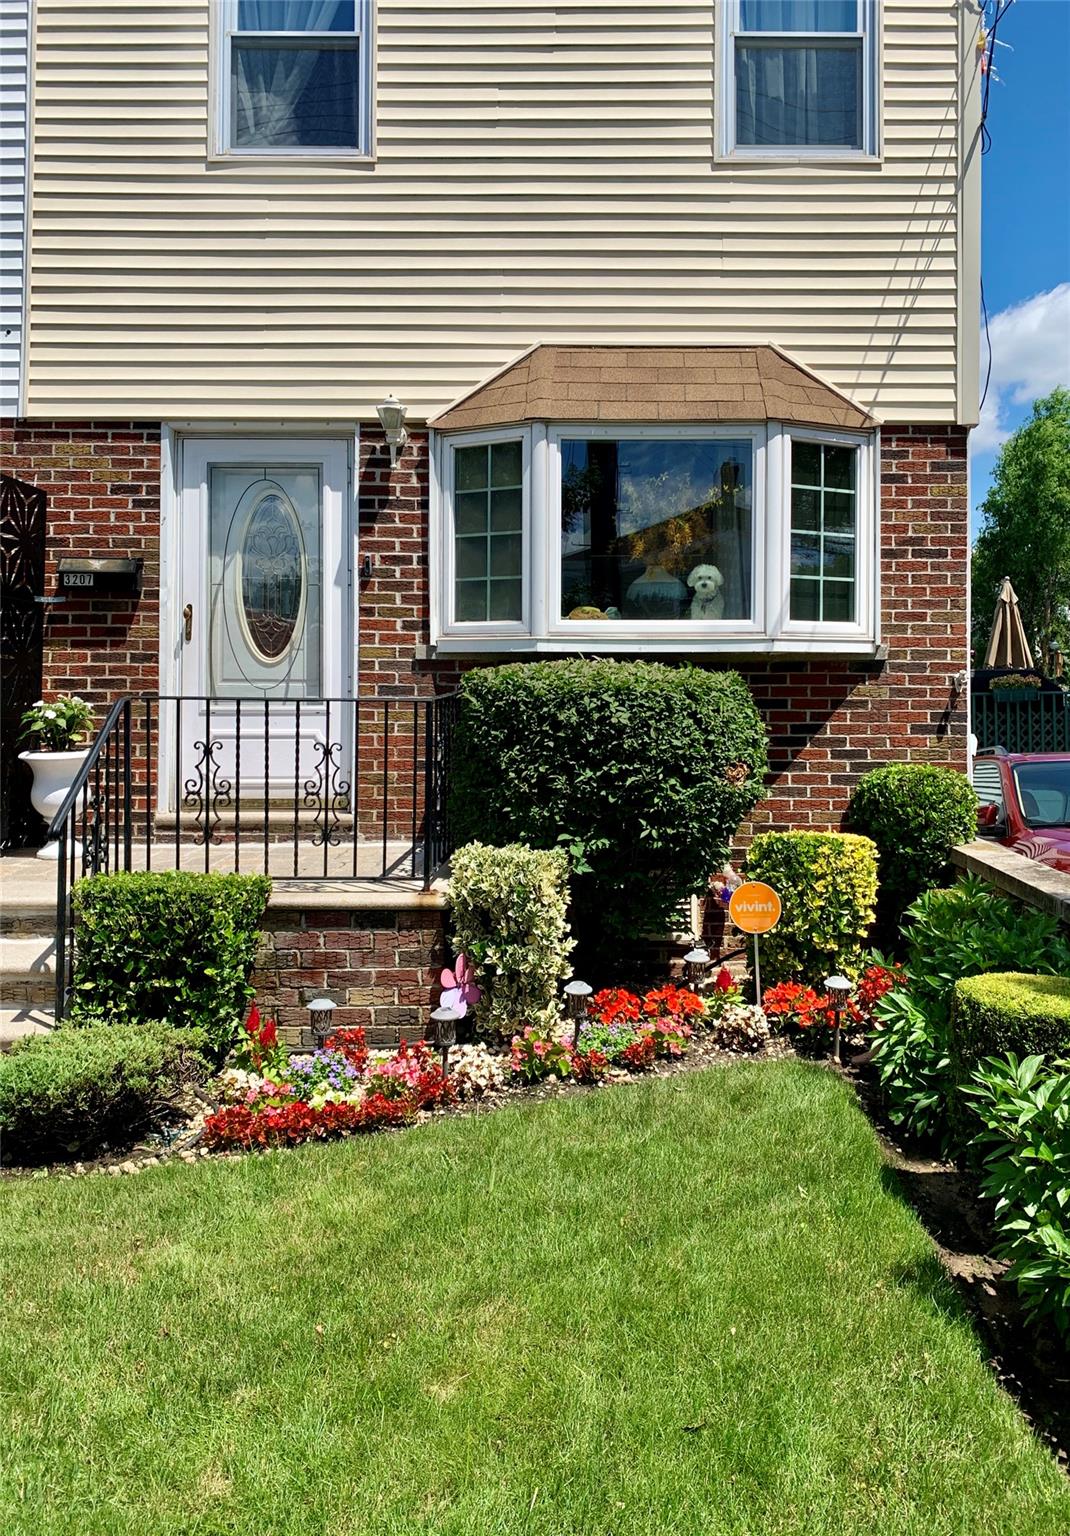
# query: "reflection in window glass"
798,96
287,97
823,530
1044,793
656,530
488,547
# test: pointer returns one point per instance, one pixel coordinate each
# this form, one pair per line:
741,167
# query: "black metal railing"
302,789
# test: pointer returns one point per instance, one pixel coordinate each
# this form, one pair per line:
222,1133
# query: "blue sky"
1025,241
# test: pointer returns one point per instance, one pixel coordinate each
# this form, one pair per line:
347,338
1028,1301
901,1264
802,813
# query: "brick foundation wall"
102,480
381,968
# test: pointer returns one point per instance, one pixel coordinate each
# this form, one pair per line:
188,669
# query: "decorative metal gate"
22,583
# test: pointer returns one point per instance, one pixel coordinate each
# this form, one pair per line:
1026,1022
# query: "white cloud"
1030,356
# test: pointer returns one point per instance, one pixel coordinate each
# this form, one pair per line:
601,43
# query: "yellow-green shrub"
509,910
827,884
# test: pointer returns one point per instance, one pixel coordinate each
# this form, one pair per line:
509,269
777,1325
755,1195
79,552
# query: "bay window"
294,77
798,77
752,537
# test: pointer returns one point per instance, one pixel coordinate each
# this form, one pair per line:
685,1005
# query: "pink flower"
458,987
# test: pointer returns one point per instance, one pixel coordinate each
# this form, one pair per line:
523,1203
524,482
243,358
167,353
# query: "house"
386,340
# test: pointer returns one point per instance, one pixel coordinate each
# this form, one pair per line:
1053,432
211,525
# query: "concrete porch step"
27,970
17,1023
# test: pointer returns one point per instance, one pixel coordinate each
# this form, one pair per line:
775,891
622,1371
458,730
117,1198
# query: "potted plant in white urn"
59,726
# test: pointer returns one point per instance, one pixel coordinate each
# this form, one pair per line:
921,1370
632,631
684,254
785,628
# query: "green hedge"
509,910
915,813
174,948
71,1093
643,771
1008,1011
827,884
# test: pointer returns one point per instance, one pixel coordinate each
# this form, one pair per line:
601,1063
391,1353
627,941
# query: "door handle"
187,623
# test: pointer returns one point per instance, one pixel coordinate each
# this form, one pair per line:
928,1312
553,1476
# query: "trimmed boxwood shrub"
915,813
1008,1011
509,908
172,947
642,771
827,884
73,1092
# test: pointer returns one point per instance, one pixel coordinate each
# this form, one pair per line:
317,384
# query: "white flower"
474,1071
50,714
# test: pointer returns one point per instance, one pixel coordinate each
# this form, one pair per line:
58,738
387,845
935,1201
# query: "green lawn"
694,1305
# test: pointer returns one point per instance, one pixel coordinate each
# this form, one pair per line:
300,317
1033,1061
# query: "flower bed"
340,1089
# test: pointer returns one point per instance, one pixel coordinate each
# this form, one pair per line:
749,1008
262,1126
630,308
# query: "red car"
1025,803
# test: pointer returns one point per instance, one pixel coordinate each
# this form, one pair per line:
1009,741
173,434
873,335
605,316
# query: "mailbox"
116,577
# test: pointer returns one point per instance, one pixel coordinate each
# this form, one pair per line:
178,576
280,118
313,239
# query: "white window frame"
868,28
864,624
677,631
770,630
224,18
443,557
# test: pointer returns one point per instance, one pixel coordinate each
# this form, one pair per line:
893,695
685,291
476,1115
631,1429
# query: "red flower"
723,981
614,1005
639,1056
589,1066
352,1044
797,1005
269,1035
252,1021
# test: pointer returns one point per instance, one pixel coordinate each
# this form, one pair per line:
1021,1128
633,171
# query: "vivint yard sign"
755,908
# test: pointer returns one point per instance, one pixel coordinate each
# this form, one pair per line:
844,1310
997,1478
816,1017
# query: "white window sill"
254,159
751,645
802,157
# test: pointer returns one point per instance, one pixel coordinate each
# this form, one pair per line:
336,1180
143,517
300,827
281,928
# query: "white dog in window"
706,582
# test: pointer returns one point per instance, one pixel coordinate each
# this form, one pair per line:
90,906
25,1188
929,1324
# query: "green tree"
1025,531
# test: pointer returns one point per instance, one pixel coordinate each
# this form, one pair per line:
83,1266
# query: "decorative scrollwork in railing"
329,793
206,792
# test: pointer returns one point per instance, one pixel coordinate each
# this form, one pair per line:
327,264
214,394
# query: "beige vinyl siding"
14,32
543,173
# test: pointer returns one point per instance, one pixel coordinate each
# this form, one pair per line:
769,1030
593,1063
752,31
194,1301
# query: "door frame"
244,440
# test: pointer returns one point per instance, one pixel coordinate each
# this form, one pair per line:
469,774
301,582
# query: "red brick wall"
380,968
829,720
102,480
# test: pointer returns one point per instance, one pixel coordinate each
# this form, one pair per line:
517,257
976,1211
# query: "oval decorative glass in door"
266,582
272,583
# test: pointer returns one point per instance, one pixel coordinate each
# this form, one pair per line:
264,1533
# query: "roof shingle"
654,384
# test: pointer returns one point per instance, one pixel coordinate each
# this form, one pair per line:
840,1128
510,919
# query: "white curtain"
797,95
269,82
798,16
295,15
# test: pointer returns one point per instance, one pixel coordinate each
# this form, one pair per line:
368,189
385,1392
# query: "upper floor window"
799,77
295,77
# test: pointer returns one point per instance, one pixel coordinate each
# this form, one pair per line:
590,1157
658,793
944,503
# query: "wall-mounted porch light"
392,420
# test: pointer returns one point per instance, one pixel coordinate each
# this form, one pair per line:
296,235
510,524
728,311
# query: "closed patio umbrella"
1007,644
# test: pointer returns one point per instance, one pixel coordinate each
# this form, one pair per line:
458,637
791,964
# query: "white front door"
264,607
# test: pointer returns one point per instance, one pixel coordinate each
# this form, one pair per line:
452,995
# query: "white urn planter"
53,775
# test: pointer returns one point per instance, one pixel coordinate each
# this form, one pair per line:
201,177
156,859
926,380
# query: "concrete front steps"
374,947
27,947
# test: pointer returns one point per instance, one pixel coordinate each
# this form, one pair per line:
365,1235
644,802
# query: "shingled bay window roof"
654,384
